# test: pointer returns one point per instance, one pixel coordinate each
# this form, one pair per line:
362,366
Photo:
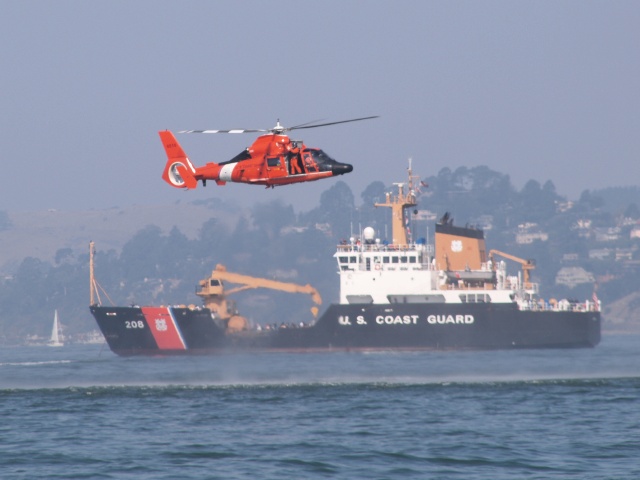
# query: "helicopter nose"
341,168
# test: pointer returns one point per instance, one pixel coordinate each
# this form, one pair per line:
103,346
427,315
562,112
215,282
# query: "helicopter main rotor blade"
299,127
305,123
279,129
244,130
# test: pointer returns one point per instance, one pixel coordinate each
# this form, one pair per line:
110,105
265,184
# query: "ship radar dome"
369,234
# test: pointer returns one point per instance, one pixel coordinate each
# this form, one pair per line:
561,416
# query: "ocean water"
80,412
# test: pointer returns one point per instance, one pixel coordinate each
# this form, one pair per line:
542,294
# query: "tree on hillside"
469,193
369,214
176,250
589,201
140,255
537,204
336,210
632,211
28,290
62,255
269,218
214,237
5,222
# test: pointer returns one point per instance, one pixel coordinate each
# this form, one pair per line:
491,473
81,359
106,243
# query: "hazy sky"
544,90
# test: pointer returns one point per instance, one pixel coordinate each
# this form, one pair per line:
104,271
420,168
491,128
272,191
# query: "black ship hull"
180,330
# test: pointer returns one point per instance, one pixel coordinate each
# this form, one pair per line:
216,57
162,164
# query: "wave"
329,385
34,363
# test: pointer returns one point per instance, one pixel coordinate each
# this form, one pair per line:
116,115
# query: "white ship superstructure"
375,273
454,270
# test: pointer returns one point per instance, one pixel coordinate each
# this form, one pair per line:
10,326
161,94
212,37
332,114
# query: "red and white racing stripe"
164,328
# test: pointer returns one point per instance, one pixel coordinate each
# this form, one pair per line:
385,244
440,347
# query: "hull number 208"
134,324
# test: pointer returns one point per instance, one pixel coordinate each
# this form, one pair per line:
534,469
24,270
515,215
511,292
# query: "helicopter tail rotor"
178,172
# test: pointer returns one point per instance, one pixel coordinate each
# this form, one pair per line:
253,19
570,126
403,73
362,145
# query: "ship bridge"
376,256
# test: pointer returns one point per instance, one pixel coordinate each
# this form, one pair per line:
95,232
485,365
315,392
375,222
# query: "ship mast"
94,286
398,203
91,274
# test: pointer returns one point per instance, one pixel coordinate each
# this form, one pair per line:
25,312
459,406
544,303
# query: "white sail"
56,337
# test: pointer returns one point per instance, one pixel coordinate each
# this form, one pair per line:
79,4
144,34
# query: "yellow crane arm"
527,265
247,282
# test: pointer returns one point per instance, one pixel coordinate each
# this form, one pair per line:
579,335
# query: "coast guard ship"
401,295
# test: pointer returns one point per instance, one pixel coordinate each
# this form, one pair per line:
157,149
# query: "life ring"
377,266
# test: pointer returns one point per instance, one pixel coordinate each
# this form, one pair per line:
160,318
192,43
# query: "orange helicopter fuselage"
273,159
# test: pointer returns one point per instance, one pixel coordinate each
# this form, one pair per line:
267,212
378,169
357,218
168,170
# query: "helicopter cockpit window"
323,160
273,162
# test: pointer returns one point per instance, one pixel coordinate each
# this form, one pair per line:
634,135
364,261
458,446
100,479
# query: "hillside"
155,254
42,234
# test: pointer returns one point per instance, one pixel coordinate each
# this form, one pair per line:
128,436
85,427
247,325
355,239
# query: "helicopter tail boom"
178,172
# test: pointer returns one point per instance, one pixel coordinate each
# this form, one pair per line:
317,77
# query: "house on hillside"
484,222
624,254
570,258
562,207
425,215
583,226
600,253
530,232
611,234
572,276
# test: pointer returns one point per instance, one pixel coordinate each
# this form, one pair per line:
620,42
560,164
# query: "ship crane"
214,294
527,265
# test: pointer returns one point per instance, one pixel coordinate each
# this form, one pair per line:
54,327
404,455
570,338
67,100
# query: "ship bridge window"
395,260
412,260
403,259
359,299
438,298
343,259
475,298
353,259
385,259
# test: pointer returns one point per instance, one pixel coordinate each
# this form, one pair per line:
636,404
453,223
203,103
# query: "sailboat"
56,336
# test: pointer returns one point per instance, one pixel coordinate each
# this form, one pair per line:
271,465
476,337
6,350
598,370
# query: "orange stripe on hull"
163,328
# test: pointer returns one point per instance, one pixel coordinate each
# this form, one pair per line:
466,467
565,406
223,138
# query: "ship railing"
515,283
359,247
401,267
561,306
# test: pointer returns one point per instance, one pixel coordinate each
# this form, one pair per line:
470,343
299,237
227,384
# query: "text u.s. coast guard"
407,319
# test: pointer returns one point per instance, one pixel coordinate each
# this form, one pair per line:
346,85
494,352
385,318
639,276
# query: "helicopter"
273,159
